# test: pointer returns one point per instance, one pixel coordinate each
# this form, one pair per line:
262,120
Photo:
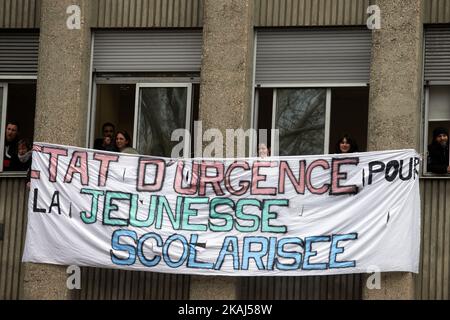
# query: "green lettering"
228,218
188,212
248,217
110,207
94,207
267,215
135,222
175,219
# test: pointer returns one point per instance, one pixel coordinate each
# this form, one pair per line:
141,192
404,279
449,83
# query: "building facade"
378,70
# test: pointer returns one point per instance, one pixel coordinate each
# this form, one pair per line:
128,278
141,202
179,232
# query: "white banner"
312,215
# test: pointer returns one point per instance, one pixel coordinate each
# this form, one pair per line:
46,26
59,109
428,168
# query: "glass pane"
349,106
439,106
300,117
1,101
161,111
115,105
21,107
438,117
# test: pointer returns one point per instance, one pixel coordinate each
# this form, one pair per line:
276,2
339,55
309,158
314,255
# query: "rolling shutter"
437,54
19,53
313,56
147,51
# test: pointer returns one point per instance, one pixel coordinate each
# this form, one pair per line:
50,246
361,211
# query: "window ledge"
13,174
433,176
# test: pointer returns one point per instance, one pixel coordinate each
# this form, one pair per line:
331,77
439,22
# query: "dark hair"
437,132
126,136
25,142
350,141
108,124
13,122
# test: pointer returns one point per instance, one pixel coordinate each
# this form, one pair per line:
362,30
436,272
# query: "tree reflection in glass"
161,111
300,117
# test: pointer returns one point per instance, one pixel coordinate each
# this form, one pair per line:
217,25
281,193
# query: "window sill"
13,174
434,176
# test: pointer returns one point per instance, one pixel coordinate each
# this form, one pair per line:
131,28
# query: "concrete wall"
61,111
396,76
395,102
227,65
225,95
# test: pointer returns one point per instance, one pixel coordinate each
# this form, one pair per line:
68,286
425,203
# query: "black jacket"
437,158
10,159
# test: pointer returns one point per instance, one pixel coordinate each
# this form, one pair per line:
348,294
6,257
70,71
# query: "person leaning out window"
438,161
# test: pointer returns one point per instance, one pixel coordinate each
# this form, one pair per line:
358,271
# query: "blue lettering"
234,252
116,245
142,258
296,256
182,259
257,256
192,263
335,250
310,253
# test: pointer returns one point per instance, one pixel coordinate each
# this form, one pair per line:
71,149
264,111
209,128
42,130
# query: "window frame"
105,79
4,110
187,122
4,81
425,128
275,86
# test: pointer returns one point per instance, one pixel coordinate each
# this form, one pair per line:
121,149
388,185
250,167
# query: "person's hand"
107,141
448,169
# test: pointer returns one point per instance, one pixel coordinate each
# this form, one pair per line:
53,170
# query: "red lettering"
178,186
105,161
257,177
54,153
299,184
214,181
337,176
317,163
244,185
159,175
81,169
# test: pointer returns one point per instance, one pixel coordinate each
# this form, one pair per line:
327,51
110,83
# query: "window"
437,96
161,109
311,120
147,84
18,102
437,109
149,112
